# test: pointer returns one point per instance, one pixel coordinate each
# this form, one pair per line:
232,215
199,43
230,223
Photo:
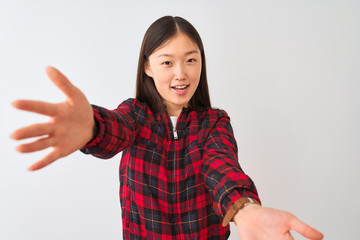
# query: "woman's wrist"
235,207
245,211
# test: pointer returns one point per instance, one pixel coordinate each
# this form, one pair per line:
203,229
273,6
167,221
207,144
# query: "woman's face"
175,68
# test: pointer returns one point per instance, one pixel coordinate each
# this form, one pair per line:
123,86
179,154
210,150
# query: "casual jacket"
173,184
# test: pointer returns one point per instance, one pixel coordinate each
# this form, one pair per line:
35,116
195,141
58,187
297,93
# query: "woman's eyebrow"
170,55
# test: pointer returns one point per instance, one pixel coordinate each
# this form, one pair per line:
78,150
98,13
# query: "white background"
287,72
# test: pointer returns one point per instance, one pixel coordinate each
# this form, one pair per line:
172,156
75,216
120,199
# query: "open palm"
261,223
70,126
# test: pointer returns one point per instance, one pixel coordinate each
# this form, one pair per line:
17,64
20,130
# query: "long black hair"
157,34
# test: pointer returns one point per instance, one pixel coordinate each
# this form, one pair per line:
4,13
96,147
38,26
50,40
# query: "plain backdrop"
287,72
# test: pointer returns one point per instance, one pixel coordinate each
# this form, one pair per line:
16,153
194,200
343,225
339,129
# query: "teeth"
180,88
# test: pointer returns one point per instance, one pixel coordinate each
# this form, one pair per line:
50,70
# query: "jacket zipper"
174,176
175,133
174,127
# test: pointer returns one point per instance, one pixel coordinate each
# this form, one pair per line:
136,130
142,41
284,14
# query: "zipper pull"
175,134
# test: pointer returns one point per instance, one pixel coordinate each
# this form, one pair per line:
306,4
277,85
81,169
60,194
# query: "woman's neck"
173,110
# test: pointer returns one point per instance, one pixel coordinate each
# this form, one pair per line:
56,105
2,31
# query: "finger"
48,159
37,145
61,81
44,108
35,130
305,229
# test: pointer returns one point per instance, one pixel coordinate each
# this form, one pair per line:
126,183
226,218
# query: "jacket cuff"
235,207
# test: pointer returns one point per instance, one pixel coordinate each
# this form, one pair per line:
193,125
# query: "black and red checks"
172,188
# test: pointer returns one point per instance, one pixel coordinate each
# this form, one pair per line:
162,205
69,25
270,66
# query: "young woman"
179,173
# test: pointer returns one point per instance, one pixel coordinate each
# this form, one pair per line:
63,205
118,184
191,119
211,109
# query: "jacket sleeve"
222,173
116,130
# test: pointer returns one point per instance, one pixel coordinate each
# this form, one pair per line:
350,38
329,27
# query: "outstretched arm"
70,127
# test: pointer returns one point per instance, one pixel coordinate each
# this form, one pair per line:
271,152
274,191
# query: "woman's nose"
180,72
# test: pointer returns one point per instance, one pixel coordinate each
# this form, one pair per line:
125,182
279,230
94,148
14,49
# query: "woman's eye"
191,60
166,63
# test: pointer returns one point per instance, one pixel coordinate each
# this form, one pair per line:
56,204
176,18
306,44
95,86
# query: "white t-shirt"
174,121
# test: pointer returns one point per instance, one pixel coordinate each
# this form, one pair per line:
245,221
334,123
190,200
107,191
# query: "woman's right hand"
69,129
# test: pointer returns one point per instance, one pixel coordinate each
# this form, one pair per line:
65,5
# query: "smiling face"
175,68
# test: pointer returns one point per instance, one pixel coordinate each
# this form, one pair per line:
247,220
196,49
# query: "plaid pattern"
172,188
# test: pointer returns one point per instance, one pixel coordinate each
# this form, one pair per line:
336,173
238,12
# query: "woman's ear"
148,69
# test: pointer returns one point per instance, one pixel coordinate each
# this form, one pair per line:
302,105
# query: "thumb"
61,81
305,230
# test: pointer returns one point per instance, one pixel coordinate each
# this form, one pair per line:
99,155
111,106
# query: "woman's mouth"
180,90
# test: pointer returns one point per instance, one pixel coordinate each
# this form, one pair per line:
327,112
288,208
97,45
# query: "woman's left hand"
261,223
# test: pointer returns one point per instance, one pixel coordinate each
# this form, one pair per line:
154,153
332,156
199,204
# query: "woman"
180,176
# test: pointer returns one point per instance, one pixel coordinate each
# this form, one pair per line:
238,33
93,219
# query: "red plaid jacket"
173,185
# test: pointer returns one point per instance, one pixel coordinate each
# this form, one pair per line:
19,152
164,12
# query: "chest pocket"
193,158
146,164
